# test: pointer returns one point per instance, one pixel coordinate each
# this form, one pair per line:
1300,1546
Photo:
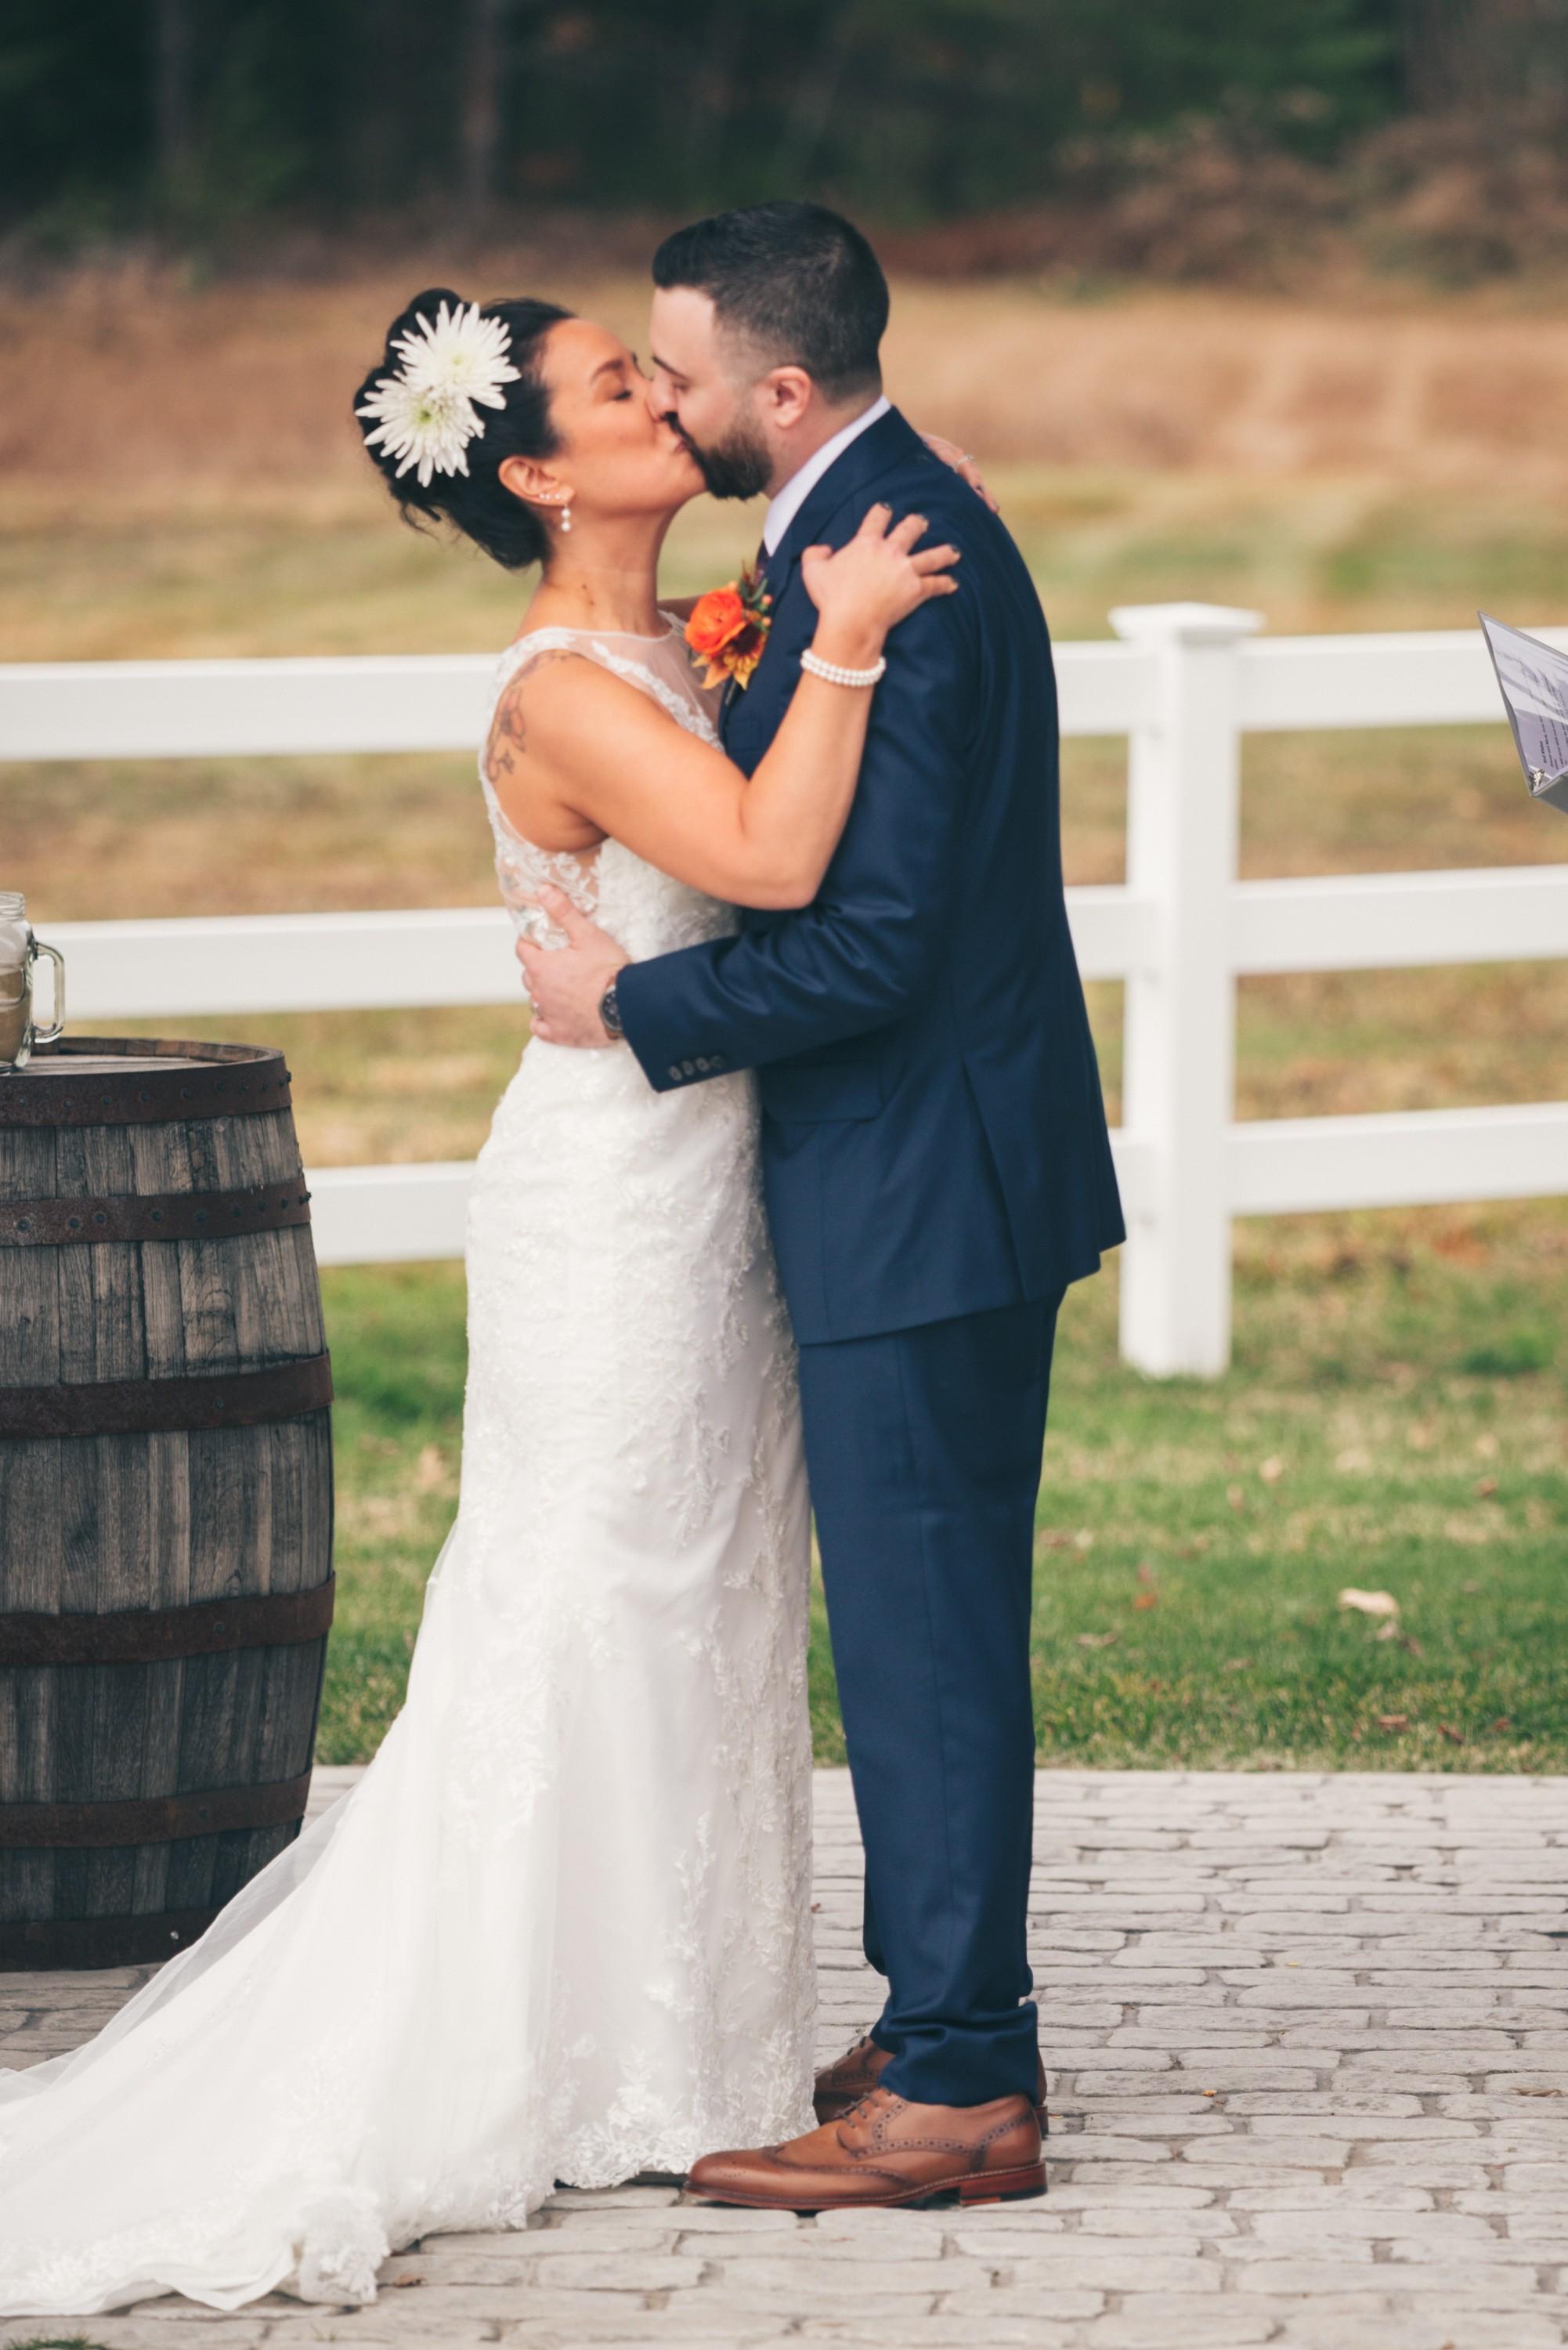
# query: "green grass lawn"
1396,1419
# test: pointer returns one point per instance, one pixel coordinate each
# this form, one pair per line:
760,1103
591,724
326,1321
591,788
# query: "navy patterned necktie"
731,691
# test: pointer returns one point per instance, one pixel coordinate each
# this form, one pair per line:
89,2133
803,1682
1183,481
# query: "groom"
937,1170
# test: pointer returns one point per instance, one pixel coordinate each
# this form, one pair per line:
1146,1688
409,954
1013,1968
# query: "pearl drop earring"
566,518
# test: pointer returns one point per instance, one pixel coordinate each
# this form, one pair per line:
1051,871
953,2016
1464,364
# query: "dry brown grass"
131,391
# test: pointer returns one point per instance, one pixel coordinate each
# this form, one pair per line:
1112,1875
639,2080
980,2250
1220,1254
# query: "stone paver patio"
1309,2050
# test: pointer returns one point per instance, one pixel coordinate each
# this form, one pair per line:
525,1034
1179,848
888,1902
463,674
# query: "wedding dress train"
561,1928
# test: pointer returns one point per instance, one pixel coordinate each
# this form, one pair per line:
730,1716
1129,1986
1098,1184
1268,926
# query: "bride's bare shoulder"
562,703
561,718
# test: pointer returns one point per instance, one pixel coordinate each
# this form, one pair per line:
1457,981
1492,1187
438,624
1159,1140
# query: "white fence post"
1178,1076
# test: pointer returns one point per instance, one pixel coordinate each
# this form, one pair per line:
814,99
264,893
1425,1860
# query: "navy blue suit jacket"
934,1138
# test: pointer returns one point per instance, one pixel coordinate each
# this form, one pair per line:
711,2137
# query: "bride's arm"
601,754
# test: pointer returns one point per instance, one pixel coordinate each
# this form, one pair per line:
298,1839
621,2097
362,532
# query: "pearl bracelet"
836,676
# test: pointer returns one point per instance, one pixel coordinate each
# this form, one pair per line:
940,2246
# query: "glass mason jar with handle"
19,952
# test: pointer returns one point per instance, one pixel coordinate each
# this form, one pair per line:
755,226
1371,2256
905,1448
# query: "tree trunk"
381,85
172,90
713,89
479,127
816,95
1461,53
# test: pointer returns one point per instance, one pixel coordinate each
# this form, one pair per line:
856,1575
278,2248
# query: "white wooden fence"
1184,684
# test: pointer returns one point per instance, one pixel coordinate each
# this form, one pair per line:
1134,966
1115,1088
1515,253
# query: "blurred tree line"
193,118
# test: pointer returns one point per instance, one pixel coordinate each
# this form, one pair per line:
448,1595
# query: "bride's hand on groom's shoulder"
865,587
966,467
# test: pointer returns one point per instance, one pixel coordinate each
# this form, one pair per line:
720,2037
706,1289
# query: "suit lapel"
887,442
881,446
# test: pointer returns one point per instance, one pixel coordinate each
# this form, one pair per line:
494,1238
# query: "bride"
560,1930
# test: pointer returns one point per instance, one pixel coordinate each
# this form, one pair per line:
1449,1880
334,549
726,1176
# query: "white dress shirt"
785,507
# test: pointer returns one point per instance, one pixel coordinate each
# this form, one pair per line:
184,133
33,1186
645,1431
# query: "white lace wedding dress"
561,1928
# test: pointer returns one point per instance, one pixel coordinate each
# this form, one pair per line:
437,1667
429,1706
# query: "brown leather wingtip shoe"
886,2151
858,2071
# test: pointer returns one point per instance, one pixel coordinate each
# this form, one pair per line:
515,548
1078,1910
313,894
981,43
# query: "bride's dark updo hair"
477,502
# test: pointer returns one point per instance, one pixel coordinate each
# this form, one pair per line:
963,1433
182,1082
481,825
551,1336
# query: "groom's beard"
740,467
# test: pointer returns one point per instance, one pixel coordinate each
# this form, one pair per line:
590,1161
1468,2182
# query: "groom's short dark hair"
797,282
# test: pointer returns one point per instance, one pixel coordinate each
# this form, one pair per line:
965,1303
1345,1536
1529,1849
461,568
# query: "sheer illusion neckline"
628,636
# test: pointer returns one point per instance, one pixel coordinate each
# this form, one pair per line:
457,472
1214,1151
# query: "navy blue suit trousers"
924,1447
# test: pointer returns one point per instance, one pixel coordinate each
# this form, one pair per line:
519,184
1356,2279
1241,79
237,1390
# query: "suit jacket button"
687,1068
675,1068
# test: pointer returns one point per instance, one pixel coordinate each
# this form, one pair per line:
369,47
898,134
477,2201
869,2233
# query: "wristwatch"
609,1013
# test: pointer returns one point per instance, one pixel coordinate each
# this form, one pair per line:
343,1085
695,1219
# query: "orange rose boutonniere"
728,629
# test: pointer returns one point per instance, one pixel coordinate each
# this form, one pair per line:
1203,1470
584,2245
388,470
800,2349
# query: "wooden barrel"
165,1492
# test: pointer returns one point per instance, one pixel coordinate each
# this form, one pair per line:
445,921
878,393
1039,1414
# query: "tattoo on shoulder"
508,741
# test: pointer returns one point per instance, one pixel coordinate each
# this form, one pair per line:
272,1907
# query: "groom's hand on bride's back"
566,985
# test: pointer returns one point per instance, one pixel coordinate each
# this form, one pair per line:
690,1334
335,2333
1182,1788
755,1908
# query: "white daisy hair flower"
463,351
425,414
429,430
